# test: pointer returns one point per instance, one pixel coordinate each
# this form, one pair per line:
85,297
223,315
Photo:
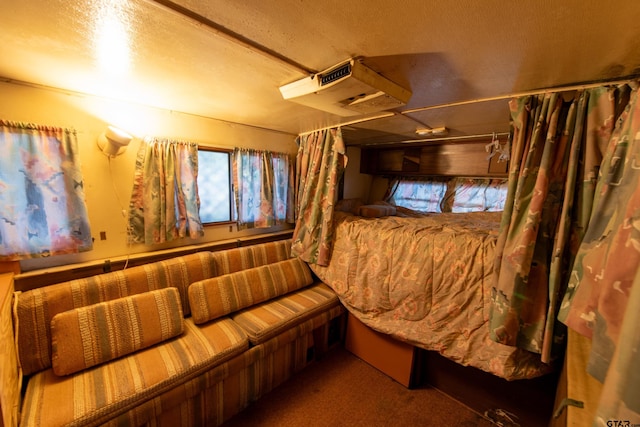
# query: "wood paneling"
443,159
529,402
9,376
397,359
454,160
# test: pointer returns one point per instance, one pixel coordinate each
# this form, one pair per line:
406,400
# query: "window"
423,196
452,195
214,185
473,195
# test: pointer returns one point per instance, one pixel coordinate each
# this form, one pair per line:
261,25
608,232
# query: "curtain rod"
526,93
446,138
473,101
352,122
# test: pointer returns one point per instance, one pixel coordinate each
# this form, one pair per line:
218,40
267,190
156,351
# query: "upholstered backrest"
36,308
97,333
215,297
232,260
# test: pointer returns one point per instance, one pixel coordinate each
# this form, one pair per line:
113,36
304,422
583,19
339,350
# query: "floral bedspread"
426,281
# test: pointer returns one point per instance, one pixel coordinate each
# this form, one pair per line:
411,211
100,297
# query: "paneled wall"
446,159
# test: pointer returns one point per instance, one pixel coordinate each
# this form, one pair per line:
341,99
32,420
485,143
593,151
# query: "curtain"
320,163
475,195
602,300
263,188
164,202
284,198
423,195
447,194
41,193
557,148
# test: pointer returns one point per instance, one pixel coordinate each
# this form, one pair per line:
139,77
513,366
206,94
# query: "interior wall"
379,186
108,182
356,184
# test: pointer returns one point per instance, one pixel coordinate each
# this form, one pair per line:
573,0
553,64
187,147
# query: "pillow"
348,205
90,335
376,211
215,297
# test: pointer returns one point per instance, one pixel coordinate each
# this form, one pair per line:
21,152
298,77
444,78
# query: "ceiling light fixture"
440,131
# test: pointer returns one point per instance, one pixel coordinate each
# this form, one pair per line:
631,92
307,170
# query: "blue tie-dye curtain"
164,202
263,188
43,210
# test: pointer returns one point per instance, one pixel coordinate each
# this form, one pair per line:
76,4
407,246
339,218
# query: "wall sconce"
113,141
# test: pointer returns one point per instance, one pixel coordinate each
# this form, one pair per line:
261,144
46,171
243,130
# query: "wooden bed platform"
529,402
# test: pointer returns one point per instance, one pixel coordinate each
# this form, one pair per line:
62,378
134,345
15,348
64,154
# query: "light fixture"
113,141
441,131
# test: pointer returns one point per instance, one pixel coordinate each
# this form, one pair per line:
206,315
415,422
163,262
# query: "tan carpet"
342,390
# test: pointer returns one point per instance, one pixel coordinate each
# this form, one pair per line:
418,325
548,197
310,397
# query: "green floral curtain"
557,148
603,296
320,163
164,202
263,188
43,210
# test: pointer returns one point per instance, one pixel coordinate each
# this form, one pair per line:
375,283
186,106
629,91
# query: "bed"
425,280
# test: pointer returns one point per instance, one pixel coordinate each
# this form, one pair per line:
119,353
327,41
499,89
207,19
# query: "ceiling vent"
347,89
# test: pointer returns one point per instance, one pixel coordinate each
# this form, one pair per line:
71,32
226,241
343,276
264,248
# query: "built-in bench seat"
95,395
266,320
186,341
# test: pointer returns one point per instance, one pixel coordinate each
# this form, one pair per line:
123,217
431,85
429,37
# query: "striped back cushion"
88,336
225,294
232,260
36,308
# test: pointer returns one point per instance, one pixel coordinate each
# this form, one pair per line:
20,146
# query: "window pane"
214,186
473,195
420,196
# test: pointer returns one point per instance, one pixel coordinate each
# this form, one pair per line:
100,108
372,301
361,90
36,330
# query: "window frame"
232,210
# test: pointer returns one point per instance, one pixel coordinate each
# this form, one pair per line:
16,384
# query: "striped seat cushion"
233,260
36,308
98,394
266,320
215,297
87,336
211,397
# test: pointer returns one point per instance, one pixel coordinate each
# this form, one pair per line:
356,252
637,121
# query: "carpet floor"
342,390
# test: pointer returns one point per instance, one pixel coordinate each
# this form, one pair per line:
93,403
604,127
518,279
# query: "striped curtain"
43,210
164,202
319,166
263,188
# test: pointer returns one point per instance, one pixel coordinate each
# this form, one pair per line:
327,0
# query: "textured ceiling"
226,59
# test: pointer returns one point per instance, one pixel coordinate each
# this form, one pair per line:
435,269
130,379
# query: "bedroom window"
477,194
214,186
423,196
453,195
